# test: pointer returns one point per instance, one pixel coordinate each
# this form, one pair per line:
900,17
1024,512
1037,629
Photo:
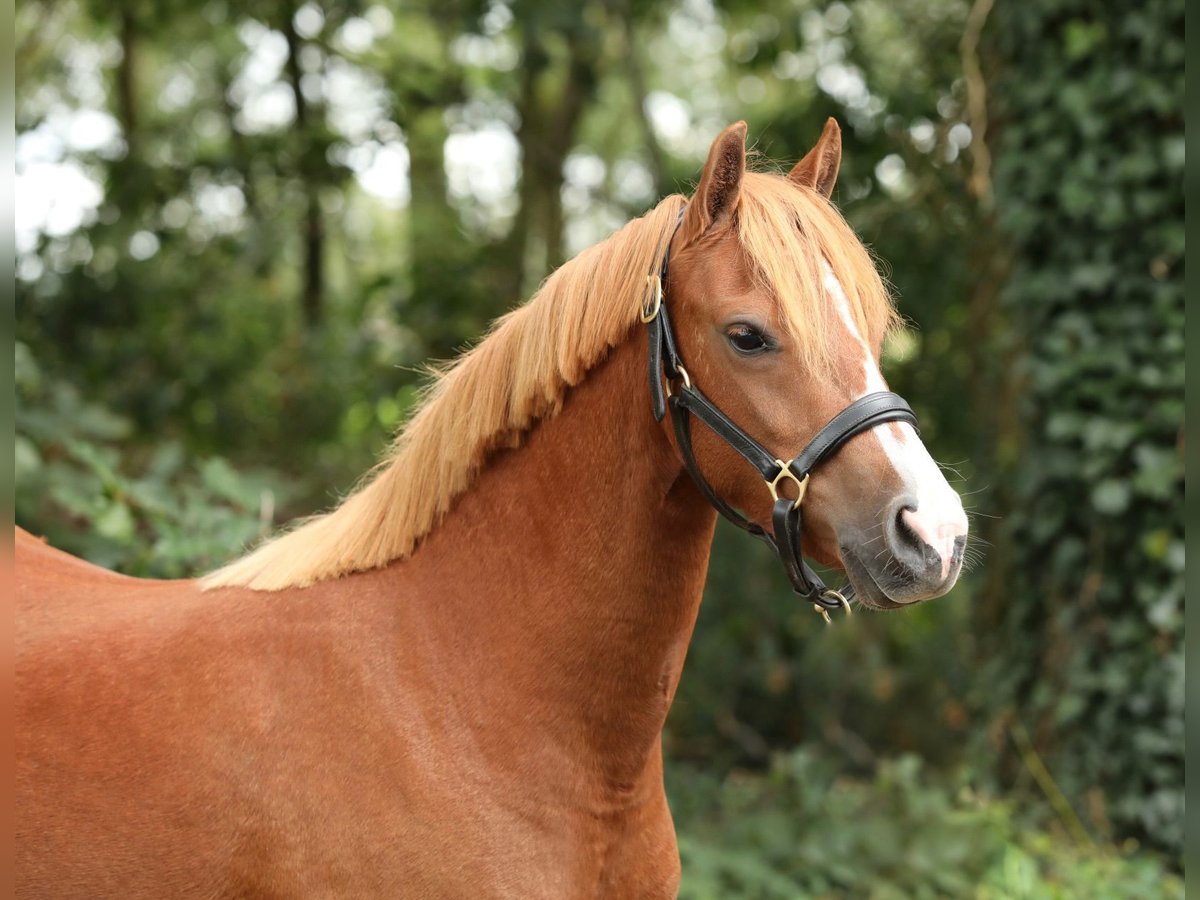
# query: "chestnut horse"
454,683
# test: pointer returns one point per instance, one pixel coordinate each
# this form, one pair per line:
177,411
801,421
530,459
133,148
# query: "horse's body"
476,717
481,719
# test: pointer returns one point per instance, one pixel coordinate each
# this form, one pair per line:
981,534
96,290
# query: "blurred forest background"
242,227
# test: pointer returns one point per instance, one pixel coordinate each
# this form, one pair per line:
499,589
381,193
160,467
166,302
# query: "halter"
686,400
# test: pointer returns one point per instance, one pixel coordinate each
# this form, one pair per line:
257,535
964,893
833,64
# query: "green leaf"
1111,497
116,522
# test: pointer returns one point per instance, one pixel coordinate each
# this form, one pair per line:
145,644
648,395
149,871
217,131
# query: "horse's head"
781,315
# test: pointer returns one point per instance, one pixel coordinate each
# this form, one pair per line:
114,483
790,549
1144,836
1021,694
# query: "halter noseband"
686,400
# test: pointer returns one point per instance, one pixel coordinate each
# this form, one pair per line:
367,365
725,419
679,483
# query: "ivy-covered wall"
1085,617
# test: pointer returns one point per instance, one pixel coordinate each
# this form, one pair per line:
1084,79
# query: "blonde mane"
519,374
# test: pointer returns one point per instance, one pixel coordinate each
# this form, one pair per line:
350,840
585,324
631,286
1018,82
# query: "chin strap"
671,388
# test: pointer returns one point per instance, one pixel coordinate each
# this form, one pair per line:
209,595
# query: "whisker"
953,468
974,492
974,513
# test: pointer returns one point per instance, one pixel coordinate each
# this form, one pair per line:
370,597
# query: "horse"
454,683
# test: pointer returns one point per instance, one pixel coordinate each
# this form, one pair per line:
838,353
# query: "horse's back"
36,552
42,567
177,742
134,697
67,603
56,590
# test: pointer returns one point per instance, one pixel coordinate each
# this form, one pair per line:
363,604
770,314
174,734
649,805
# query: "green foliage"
173,519
1086,615
801,830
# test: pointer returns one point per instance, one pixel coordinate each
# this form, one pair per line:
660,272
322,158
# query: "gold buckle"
648,313
831,594
785,472
683,373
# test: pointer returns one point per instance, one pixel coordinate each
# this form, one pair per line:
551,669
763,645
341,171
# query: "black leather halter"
686,400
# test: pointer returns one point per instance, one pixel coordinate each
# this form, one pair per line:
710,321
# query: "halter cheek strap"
686,401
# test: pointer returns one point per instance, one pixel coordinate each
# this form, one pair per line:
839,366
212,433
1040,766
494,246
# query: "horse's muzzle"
909,558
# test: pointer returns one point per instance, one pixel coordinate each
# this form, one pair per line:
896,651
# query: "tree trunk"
637,84
547,133
440,302
127,112
313,230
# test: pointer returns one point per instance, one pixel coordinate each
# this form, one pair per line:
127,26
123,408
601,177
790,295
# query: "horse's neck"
567,580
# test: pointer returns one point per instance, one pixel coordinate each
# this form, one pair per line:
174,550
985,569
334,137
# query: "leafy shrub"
1085,617
802,831
74,484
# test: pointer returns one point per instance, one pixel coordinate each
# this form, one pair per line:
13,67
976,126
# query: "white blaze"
939,518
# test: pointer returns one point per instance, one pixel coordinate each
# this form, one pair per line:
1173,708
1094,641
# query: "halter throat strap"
671,389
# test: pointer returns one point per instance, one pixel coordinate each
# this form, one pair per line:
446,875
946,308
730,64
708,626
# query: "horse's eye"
746,339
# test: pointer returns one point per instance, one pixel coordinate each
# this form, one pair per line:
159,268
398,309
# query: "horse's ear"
819,169
720,186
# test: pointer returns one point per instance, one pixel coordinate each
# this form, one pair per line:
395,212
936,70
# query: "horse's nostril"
904,533
904,530
909,544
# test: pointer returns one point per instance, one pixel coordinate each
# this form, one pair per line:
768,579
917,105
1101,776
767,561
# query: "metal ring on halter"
831,594
683,374
648,313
